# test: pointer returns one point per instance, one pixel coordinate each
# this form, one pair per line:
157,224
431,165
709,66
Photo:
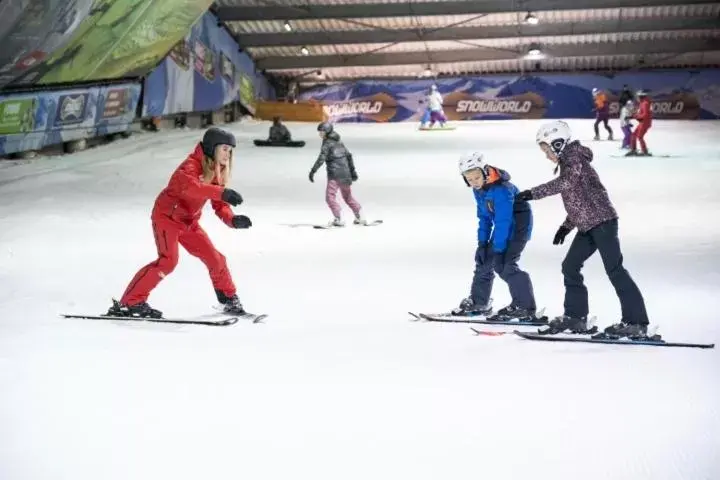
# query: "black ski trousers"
506,266
602,238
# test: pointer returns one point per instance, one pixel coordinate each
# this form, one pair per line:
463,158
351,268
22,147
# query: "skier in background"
625,95
589,210
626,114
602,113
201,177
503,231
435,104
644,116
340,175
426,114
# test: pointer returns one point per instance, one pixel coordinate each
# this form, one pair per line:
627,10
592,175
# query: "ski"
435,129
650,341
330,227
208,320
644,156
477,319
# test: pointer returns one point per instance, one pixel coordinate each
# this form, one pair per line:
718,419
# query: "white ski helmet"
556,134
471,161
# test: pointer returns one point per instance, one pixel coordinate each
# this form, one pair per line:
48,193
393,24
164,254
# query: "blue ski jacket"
501,220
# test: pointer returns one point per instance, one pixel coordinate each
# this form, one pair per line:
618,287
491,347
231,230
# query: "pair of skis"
651,340
330,227
212,319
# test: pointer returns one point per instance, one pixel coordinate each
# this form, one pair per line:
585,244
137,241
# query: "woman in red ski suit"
644,117
201,177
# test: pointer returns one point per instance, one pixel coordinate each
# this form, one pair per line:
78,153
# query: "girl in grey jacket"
340,174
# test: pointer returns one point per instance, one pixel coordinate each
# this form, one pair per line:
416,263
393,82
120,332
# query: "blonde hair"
211,169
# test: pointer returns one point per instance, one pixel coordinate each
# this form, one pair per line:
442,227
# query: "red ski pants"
167,239
639,134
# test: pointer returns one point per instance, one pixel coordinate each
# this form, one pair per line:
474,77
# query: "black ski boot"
231,305
519,314
468,308
571,324
140,310
633,331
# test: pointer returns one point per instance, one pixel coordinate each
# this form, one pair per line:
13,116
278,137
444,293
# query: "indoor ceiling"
334,40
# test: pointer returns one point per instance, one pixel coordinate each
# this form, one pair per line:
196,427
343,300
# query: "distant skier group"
629,111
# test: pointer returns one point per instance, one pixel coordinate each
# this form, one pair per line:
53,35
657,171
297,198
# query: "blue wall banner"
687,95
31,121
204,72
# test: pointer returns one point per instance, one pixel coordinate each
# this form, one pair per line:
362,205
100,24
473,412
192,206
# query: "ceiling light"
531,19
288,27
305,51
534,50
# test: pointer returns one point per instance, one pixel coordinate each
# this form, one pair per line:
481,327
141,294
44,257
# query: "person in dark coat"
590,211
340,174
279,132
625,96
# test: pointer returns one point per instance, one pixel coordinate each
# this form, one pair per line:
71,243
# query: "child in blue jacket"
504,230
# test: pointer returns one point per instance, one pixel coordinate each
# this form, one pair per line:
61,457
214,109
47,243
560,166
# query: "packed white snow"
338,384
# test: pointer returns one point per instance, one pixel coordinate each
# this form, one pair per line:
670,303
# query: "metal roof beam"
642,47
476,32
405,9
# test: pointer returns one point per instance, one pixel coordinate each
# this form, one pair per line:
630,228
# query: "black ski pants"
505,265
602,238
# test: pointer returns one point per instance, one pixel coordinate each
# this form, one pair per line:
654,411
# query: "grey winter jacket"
279,133
586,201
338,160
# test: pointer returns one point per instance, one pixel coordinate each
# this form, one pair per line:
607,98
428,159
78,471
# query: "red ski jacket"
644,112
182,201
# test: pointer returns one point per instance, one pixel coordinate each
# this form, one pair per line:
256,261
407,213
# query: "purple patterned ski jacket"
586,201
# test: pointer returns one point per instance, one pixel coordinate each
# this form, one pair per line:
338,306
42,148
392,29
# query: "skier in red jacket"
175,216
644,116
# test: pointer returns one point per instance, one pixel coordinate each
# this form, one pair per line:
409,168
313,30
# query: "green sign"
118,38
17,116
247,92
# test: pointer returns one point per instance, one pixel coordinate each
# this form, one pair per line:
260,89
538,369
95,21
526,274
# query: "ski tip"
260,318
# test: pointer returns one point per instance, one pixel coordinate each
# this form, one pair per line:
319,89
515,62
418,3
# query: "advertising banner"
203,72
65,41
686,95
34,120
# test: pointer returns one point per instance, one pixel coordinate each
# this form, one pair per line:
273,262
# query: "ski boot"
336,222
359,220
140,310
514,313
572,324
231,305
610,136
632,331
467,308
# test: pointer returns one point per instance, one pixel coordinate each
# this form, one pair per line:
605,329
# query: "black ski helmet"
325,127
216,136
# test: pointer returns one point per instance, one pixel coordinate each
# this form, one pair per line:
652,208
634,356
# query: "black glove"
241,221
481,254
354,177
312,174
523,196
560,235
232,197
